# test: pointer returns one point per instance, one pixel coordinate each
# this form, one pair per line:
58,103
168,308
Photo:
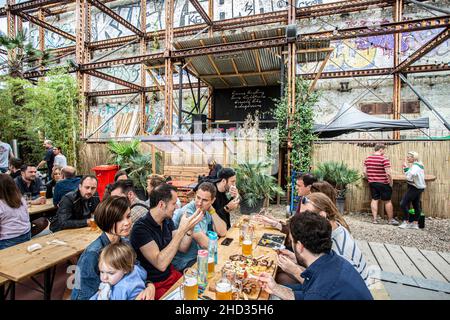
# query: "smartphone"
226,241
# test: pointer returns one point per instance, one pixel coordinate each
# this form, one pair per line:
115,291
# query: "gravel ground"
435,236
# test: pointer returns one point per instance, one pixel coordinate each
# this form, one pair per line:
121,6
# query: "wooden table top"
224,252
35,208
16,263
402,177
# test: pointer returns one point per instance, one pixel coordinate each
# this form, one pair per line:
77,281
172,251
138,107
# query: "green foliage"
129,158
31,113
254,182
301,124
337,174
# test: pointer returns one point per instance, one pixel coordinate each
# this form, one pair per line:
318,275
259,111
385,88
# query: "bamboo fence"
434,154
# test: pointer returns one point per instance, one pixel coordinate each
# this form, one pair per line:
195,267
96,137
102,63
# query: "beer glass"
43,191
223,289
92,223
189,287
28,199
242,232
211,265
236,285
247,243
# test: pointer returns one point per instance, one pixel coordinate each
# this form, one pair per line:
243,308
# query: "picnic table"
224,253
17,264
41,208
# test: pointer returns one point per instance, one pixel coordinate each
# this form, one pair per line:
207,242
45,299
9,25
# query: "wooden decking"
407,261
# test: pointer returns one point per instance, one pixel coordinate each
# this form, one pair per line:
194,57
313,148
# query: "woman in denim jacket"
113,218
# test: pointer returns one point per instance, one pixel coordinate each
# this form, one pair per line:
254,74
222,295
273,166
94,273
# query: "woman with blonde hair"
342,241
415,177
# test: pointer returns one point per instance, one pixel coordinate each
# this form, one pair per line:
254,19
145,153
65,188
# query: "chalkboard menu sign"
236,103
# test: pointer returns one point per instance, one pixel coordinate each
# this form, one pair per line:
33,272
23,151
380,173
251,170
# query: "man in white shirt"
5,153
60,159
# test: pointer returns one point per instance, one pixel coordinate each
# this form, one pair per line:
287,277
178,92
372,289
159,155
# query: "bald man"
49,157
68,183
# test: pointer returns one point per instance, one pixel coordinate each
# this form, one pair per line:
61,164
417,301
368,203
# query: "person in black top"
226,183
156,241
14,167
76,207
49,157
27,182
214,168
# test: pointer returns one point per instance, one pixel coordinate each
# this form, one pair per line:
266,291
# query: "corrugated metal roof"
246,61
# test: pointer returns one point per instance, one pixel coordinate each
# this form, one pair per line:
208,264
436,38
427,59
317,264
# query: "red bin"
105,175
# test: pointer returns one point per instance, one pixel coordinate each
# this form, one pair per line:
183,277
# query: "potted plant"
339,175
255,185
138,166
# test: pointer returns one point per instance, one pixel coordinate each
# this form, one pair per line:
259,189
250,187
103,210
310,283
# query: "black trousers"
412,195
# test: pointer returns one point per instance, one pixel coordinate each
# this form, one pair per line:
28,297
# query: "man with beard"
28,183
327,276
204,198
76,207
156,241
226,183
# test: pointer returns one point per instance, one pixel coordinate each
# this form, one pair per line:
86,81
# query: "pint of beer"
92,223
190,284
190,289
211,265
247,247
223,290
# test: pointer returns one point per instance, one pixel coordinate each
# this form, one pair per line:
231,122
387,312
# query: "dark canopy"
350,119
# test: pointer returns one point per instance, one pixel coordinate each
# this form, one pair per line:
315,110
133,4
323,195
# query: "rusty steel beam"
186,86
384,28
116,17
377,72
118,81
423,50
45,25
120,61
202,12
340,8
63,50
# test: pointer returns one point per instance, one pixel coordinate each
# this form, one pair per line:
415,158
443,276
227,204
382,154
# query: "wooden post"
397,101
41,34
168,89
143,50
11,25
291,89
80,51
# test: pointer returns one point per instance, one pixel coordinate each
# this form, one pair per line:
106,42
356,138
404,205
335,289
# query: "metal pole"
427,103
180,97
15,148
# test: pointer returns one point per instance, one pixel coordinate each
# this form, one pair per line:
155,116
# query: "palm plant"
338,174
130,159
254,182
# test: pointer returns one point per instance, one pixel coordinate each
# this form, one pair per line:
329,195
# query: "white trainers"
404,225
413,226
393,222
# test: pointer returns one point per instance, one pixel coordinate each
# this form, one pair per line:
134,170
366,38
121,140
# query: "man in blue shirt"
327,276
211,221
